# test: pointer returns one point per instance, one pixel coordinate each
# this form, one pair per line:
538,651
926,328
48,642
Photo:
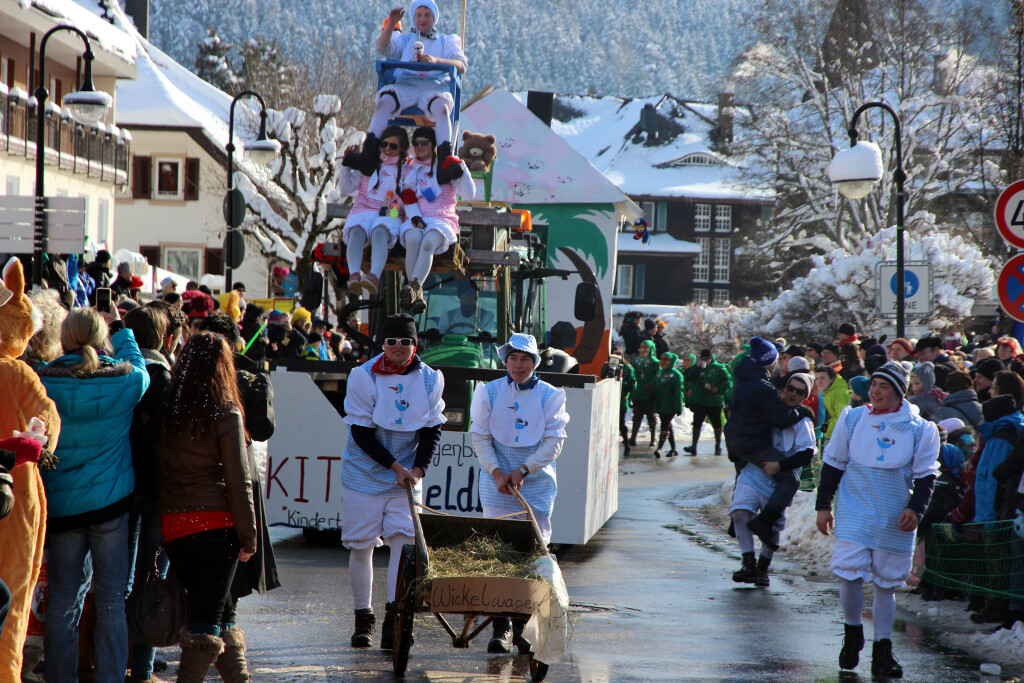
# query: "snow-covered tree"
267,71
699,327
842,287
289,208
804,78
213,63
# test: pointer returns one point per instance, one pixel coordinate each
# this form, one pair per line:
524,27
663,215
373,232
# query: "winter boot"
762,571
387,629
501,638
365,161
672,445
231,664
522,644
198,652
363,634
853,643
882,661
405,296
632,436
448,167
661,442
747,573
761,526
418,303
718,442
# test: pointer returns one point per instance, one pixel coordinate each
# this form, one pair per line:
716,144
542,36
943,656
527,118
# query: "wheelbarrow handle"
529,513
422,554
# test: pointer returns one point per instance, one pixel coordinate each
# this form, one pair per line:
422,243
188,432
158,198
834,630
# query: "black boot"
661,442
762,571
365,161
882,661
453,171
501,637
672,445
632,436
522,644
387,629
718,442
747,573
363,634
761,526
853,643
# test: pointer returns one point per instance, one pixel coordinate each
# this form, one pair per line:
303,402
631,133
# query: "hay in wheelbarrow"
481,555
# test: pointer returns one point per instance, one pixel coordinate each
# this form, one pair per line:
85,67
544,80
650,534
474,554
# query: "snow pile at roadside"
719,497
802,538
1005,645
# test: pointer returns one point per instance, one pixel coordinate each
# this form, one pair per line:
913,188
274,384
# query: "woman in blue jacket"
95,385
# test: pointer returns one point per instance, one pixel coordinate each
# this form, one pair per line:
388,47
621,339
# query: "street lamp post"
856,170
263,150
88,105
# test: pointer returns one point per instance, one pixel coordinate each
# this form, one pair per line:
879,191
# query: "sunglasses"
794,389
394,341
390,145
422,142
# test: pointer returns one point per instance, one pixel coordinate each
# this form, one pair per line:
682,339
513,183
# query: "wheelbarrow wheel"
405,613
538,670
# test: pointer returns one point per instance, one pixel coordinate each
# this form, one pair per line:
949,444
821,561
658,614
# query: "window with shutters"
169,181
191,179
141,177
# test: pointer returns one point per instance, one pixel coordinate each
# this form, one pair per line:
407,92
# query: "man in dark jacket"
123,284
930,349
99,271
630,332
756,409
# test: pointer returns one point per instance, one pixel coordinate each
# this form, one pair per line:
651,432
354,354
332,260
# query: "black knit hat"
425,132
793,350
818,348
988,367
705,353
834,348
847,328
400,326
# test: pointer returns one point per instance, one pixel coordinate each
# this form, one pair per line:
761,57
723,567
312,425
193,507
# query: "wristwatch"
525,470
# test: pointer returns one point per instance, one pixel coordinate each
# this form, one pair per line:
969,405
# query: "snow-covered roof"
86,15
535,165
660,243
606,131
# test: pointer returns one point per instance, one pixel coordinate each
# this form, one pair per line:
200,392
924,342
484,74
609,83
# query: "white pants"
365,519
854,561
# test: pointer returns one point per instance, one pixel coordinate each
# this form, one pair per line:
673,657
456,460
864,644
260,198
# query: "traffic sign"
1009,214
918,301
234,207
234,249
1011,288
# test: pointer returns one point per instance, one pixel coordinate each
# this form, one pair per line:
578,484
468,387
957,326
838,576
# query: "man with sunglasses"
394,411
756,484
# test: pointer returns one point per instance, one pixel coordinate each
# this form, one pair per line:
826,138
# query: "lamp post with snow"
262,150
87,105
856,170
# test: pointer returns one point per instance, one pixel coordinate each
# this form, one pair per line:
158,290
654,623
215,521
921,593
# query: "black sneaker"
692,450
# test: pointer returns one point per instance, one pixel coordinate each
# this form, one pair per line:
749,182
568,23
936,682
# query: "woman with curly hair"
206,502
45,343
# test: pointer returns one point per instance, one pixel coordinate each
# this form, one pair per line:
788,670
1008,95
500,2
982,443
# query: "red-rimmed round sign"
1011,288
1009,214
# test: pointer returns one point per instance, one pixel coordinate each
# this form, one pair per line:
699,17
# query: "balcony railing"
98,150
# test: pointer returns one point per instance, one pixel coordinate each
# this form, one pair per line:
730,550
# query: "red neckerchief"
886,412
385,367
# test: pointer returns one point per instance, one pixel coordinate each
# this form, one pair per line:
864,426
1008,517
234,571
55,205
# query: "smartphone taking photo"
103,299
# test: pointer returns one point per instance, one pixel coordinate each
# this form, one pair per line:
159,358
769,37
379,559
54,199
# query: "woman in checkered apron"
394,411
882,460
518,426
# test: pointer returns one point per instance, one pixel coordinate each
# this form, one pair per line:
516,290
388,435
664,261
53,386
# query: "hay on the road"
481,555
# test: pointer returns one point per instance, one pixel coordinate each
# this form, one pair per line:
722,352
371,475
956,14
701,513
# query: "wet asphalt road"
654,602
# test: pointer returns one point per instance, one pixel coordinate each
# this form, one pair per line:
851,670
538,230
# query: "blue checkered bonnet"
526,343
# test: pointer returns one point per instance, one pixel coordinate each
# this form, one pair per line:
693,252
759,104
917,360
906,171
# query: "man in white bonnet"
518,428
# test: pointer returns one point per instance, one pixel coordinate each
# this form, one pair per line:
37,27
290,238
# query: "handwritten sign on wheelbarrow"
489,595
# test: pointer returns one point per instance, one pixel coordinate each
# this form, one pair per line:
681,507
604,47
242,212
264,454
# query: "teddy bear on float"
23,531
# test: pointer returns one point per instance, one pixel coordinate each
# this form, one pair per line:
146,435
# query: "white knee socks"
744,536
396,543
378,250
851,597
442,121
412,251
360,574
354,250
385,110
883,609
431,242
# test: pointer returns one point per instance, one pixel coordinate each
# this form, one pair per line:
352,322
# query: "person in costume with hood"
518,427
880,465
394,411
668,401
433,224
23,531
646,367
427,90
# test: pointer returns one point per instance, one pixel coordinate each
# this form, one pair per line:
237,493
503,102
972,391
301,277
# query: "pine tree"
213,63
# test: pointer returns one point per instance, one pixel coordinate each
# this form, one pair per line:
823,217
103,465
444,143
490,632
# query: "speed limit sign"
1009,214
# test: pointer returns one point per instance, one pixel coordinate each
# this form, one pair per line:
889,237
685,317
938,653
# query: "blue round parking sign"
911,283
